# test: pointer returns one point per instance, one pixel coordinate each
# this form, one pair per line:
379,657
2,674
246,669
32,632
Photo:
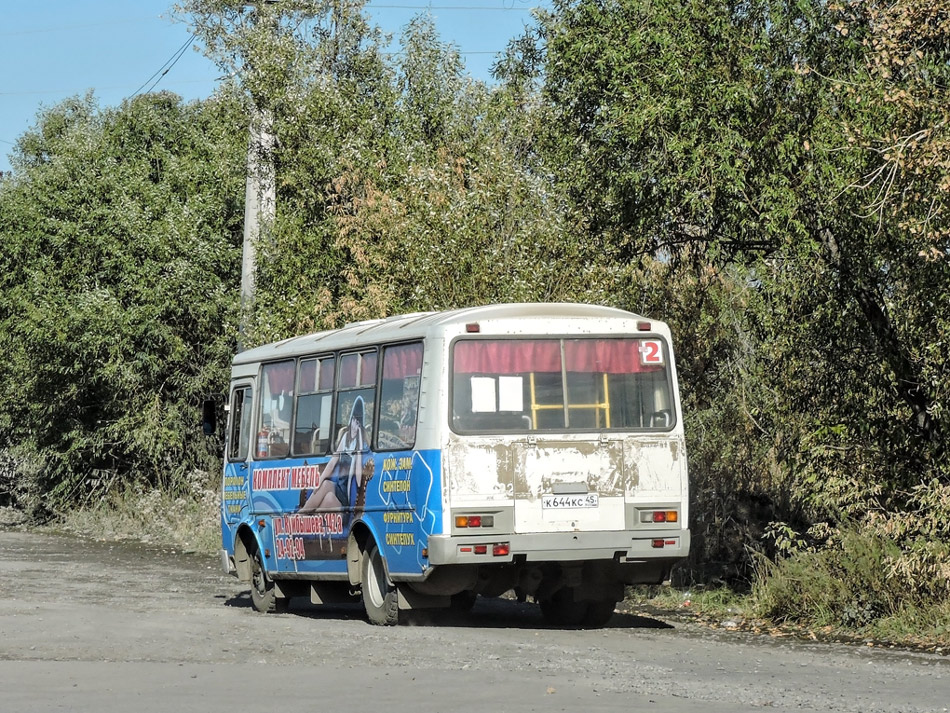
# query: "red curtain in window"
510,356
519,356
367,375
327,372
604,356
402,361
307,377
280,377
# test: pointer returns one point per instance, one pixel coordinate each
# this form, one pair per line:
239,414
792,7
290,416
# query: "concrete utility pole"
260,200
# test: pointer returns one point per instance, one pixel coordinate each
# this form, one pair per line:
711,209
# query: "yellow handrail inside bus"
602,406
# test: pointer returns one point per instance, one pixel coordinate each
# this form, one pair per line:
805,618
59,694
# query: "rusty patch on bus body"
482,468
541,465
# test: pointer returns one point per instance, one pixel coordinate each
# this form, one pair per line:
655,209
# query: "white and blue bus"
421,460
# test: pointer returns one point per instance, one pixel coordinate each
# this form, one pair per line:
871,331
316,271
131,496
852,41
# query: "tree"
117,299
737,140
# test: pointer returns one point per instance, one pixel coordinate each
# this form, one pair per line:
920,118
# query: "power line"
165,68
38,92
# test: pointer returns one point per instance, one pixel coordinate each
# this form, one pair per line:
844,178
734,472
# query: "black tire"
562,610
599,612
463,602
263,594
379,593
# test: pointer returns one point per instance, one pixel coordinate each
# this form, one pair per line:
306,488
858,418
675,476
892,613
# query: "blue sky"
53,49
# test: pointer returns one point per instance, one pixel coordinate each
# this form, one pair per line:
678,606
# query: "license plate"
566,502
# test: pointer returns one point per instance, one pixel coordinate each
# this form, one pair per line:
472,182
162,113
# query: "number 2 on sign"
651,352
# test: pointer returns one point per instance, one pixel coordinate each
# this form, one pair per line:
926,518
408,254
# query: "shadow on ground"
486,614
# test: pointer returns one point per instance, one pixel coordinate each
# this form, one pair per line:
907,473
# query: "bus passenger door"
235,489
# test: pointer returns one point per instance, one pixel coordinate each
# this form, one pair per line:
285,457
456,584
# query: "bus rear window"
510,385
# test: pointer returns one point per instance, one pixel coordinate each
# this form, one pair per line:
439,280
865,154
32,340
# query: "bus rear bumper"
625,547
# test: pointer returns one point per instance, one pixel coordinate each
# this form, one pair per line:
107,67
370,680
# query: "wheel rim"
258,579
377,586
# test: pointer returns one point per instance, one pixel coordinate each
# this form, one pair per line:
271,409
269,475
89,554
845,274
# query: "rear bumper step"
638,546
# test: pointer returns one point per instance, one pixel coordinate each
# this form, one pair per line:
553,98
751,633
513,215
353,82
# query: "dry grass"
189,522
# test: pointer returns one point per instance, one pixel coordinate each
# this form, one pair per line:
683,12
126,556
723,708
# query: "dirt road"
88,626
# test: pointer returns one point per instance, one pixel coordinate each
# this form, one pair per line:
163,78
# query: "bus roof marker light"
644,326
473,328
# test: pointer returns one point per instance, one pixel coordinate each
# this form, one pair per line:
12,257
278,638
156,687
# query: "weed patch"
189,521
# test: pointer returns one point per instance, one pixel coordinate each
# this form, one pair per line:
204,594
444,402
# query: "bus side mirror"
209,417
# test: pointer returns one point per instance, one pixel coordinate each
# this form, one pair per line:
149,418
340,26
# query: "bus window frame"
376,447
297,394
638,336
373,348
378,350
259,410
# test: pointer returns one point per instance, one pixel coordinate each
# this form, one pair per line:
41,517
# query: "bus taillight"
502,549
659,516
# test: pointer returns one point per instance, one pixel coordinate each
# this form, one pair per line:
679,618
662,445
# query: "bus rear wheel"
599,612
379,594
562,610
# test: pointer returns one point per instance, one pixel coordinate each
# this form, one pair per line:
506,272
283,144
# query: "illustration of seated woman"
342,476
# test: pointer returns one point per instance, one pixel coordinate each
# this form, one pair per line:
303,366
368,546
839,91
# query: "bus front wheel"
263,594
379,594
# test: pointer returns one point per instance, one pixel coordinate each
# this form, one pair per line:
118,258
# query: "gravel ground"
105,627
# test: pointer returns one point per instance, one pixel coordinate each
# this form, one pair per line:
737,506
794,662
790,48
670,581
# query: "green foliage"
844,586
401,187
764,154
770,176
119,251
859,578
881,574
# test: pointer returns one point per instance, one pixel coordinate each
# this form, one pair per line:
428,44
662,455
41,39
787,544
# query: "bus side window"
277,405
399,396
312,434
356,401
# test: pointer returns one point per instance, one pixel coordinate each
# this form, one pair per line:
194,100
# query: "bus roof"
418,324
